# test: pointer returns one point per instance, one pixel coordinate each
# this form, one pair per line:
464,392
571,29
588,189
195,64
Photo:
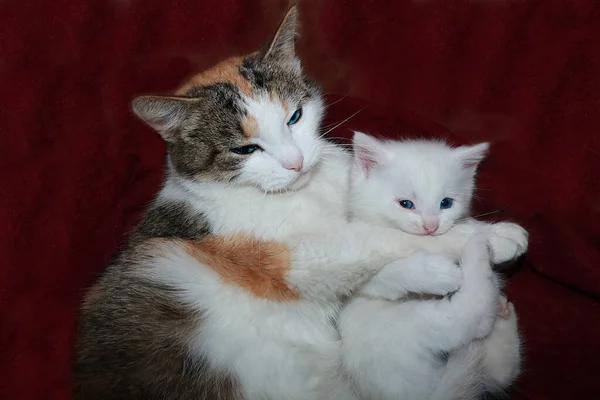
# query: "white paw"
507,241
444,276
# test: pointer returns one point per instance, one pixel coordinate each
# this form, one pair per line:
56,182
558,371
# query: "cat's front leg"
346,255
419,273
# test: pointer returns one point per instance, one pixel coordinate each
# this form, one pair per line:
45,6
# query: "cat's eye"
249,149
295,117
446,202
407,204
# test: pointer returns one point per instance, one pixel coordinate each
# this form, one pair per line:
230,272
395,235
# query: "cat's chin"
301,181
295,183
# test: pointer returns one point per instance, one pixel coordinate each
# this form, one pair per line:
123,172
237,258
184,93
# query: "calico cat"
230,286
394,345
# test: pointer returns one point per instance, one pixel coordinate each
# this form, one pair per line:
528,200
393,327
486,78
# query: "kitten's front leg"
507,240
419,273
471,311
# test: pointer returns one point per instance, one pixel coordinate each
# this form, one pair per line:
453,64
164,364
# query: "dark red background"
77,168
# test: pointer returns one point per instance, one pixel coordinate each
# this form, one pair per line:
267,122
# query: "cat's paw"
441,276
507,241
419,273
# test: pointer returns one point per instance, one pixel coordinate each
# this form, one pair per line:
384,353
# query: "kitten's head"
250,120
421,187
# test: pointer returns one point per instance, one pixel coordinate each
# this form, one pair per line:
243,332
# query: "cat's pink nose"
295,164
430,227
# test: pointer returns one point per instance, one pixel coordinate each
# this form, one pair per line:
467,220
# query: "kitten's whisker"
491,212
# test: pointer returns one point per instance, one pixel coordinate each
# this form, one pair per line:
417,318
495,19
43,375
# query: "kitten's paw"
508,320
443,276
504,307
507,241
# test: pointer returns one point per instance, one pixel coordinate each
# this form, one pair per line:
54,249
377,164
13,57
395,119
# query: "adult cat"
229,285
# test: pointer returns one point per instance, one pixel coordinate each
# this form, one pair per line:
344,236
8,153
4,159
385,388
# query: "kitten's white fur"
392,349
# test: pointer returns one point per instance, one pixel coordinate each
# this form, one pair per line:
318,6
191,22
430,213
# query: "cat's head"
251,120
422,187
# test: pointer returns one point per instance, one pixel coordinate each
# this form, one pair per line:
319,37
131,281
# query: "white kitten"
394,349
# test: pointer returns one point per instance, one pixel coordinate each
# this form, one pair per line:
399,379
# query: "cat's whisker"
343,122
337,101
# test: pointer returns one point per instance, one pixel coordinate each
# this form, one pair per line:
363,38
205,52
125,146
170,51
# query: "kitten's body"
229,286
396,349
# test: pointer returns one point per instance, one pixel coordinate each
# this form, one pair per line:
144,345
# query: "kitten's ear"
282,47
471,156
163,113
369,152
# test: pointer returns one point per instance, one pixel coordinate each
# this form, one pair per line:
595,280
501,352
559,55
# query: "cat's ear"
164,114
369,152
281,49
471,156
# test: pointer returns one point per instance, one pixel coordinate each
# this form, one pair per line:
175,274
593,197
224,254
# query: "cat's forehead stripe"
250,126
227,71
276,98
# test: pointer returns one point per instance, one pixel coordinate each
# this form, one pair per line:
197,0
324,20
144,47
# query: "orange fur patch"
250,126
259,267
225,71
285,105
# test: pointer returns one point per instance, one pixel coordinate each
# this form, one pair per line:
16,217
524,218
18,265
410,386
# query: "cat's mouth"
290,183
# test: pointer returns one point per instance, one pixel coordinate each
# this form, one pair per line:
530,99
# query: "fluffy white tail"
502,361
462,378
490,365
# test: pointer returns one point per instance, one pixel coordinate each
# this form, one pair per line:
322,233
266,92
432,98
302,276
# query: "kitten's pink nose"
294,164
430,227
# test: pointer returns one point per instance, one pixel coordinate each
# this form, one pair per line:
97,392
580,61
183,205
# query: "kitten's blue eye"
407,204
446,202
295,116
251,148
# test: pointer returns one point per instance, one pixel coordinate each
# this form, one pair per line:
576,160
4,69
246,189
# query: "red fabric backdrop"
77,168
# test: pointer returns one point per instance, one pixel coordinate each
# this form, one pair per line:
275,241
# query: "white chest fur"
281,350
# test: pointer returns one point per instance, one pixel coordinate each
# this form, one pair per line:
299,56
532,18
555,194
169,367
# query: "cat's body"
398,347
229,287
